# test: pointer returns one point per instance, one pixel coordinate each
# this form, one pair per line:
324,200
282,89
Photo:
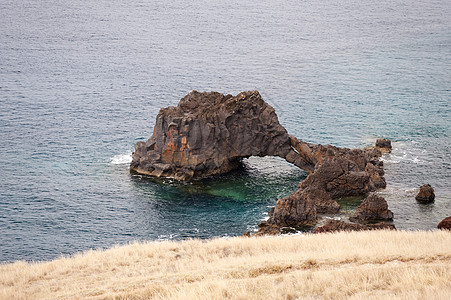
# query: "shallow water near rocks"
82,82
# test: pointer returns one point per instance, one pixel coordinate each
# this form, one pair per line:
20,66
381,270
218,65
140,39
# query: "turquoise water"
82,82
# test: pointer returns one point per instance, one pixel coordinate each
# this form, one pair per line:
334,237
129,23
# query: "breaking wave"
121,159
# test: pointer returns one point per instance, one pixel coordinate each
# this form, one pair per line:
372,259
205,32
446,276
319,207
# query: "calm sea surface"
82,81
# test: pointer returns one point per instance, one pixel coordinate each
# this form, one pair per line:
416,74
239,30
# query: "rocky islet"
425,194
209,133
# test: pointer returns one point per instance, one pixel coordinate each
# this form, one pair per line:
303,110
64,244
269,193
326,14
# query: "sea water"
82,81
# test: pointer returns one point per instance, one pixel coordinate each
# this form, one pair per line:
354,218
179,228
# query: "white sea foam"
394,159
167,237
121,159
405,152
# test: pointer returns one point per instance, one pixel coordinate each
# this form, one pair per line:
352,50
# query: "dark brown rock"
445,224
373,208
383,145
339,172
296,210
426,194
323,201
344,172
335,225
264,228
209,133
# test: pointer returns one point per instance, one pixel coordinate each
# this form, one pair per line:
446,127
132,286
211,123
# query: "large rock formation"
209,133
373,208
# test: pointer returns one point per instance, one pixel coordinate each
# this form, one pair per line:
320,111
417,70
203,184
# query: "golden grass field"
351,265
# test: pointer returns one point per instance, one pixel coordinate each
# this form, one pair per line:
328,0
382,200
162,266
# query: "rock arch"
208,134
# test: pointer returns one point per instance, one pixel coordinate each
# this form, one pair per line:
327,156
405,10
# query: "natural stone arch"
209,133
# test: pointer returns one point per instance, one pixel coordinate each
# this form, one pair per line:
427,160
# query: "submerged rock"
426,194
373,208
335,225
445,224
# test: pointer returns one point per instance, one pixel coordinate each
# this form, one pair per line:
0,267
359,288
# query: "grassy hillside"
355,265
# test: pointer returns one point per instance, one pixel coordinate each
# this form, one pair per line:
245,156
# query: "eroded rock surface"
295,210
336,225
382,145
267,229
373,208
338,172
209,133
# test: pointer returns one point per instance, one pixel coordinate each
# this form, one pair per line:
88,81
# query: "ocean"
82,81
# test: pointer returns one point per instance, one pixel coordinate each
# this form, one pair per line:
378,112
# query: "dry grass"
356,265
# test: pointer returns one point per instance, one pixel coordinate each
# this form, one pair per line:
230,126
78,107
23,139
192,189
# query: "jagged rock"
383,145
264,228
339,172
426,194
445,224
296,210
209,133
322,200
373,208
335,225
344,172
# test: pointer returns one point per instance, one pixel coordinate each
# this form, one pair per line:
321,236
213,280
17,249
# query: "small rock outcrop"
426,194
383,145
336,225
209,133
374,208
246,234
445,224
267,229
